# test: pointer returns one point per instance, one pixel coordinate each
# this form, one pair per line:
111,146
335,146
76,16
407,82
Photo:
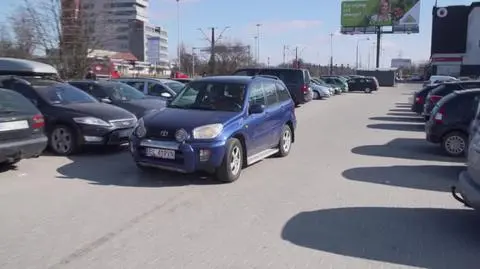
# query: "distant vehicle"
450,121
182,80
73,118
121,95
166,89
444,89
21,128
297,80
341,82
219,125
320,91
364,84
468,185
438,79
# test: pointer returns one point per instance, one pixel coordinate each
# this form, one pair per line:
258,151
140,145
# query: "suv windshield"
175,86
220,96
122,91
63,93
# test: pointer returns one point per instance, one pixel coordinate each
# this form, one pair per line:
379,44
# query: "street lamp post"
358,56
258,41
178,36
193,61
331,54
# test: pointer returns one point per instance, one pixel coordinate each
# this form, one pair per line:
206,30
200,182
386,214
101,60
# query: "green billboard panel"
365,13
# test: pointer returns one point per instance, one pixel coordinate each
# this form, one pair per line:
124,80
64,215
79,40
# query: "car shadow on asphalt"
398,119
405,114
407,148
424,177
403,110
398,127
418,237
118,169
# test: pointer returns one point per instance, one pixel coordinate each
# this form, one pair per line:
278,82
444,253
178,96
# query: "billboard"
401,63
359,16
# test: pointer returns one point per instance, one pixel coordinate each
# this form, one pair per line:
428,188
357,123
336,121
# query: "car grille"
123,123
161,134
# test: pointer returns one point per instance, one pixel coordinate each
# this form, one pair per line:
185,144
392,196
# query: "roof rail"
267,76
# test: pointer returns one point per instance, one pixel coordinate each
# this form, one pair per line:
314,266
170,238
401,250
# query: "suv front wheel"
286,140
232,163
368,90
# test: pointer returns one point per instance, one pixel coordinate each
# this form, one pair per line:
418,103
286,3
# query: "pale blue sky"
303,23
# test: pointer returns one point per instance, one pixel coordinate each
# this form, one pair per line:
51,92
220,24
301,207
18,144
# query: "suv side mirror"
106,100
256,109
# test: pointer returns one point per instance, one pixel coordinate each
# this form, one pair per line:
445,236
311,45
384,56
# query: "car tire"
232,163
368,90
286,140
62,140
316,95
455,144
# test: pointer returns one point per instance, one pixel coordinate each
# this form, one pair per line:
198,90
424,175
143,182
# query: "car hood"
142,106
174,118
98,110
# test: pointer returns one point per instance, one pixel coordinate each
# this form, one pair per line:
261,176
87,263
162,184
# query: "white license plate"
13,125
160,153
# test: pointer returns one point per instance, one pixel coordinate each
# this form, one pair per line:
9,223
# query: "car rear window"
14,102
287,76
442,102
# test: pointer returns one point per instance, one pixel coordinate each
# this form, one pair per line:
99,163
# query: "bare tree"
67,33
231,56
24,33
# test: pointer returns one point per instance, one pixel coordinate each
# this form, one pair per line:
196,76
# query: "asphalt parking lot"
360,189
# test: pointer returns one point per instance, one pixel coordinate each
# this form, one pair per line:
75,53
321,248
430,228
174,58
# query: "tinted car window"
14,102
26,91
270,93
119,91
156,89
257,95
139,85
175,86
62,93
204,95
472,85
288,76
282,91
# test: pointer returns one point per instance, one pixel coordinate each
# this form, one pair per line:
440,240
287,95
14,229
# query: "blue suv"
219,125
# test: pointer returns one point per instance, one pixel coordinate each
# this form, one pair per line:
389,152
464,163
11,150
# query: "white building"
122,26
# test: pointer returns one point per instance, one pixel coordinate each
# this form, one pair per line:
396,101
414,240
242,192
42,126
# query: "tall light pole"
331,53
255,56
193,61
258,41
178,36
358,56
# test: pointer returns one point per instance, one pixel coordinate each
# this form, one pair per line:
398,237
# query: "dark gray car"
121,95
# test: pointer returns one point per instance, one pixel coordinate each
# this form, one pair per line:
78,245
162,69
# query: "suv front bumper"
468,189
188,157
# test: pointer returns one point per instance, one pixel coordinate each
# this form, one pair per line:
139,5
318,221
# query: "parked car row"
217,124
452,113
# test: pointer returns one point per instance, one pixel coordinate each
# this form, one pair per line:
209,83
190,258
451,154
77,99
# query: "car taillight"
439,115
419,100
435,98
38,121
304,88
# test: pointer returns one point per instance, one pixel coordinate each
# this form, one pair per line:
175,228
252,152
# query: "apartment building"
122,26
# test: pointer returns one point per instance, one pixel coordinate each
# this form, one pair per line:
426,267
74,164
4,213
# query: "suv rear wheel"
455,144
285,143
368,90
232,163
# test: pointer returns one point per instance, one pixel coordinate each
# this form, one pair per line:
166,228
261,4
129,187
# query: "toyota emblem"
164,133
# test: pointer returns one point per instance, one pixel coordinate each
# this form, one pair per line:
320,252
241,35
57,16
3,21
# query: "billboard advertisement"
398,14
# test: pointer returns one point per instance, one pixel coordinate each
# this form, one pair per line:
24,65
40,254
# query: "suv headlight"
140,130
91,121
209,131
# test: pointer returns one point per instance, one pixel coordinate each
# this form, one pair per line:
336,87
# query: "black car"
443,90
21,128
121,95
420,97
363,84
297,80
182,80
450,121
73,118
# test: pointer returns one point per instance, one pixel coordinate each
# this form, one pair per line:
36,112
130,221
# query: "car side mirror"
166,95
106,100
256,109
